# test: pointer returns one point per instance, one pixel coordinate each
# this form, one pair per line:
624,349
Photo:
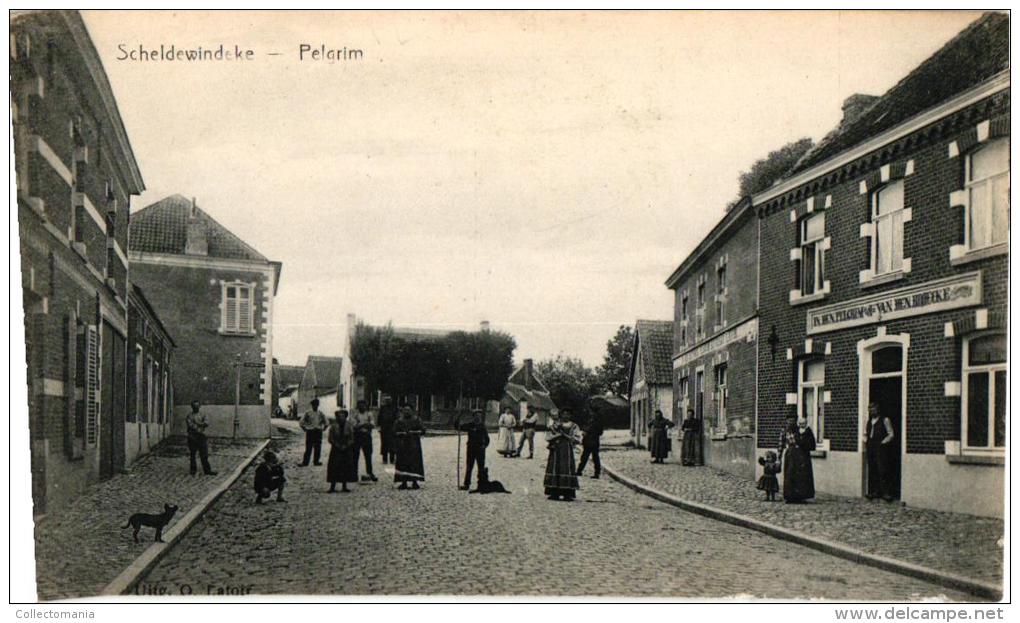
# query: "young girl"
768,482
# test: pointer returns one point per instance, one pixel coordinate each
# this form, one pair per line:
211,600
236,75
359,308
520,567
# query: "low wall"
735,455
254,421
930,481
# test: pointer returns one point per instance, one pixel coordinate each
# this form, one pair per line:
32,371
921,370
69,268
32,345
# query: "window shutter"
231,309
92,387
244,310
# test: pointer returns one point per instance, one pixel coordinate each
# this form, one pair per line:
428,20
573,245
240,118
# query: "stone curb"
949,580
128,578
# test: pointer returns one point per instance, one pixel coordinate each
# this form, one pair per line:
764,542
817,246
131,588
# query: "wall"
731,339
187,300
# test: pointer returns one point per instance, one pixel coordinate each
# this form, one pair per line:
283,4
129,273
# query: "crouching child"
268,478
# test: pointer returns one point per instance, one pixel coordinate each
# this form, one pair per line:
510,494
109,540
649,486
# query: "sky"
542,171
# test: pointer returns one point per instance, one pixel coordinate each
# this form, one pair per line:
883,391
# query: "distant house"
651,376
524,389
150,379
215,295
286,380
322,379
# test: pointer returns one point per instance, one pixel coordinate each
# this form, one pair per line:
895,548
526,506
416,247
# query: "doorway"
884,367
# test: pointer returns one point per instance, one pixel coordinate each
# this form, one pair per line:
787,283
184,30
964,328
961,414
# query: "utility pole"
237,395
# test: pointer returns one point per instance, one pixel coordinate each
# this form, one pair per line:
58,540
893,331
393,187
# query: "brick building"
651,376
884,264
525,391
715,338
215,295
150,378
75,176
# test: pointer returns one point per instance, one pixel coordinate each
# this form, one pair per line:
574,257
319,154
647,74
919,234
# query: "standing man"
313,422
878,437
387,437
477,441
197,442
363,426
528,426
591,444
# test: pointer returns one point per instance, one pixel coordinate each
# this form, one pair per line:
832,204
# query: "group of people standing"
660,444
506,443
350,437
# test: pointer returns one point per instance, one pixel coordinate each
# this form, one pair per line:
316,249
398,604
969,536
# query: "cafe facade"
884,280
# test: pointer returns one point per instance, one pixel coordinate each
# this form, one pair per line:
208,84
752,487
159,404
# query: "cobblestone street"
439,540
81,548
962,544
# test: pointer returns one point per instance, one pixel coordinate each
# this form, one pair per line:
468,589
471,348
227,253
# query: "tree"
569,381
767,170
614,373
474,364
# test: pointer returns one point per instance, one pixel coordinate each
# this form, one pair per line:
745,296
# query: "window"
887,219
238,309
681,403
139,385
683,318
720,297
984,392
811,380
700,315
721,395
987,180
812,254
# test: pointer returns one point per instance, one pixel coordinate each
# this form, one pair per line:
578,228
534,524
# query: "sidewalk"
953,543
79,549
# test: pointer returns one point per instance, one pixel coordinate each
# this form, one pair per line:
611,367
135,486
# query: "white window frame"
971,185
699,314
990,370
722,288
722,394
896,216
233,326
816,387
683,389
815,247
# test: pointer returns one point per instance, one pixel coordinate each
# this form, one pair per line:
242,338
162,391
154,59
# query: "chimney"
197,242
854,106
528,365
485,326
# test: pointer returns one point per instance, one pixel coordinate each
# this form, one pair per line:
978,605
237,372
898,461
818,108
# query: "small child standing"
269,477
768,482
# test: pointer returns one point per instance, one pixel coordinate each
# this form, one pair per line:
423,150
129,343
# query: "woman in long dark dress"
796,444
560,475
410,467
658,439
690,452
343,461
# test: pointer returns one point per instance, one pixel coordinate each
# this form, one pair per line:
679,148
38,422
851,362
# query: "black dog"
153,521
488,486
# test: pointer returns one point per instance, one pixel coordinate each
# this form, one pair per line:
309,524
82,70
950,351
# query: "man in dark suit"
591,443
477,442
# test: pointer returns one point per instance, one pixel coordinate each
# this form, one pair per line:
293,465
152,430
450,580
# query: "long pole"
237,396
457,424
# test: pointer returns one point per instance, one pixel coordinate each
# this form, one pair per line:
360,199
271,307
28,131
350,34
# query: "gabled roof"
653,343
977,53
322,373
524,384
284,376
162,227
